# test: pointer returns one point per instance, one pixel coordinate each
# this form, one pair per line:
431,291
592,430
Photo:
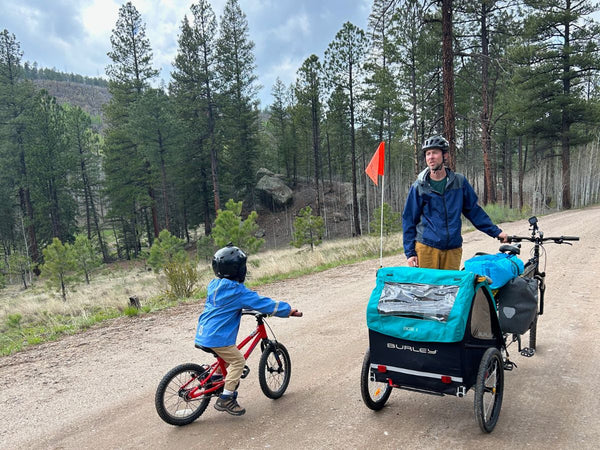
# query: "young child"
219,323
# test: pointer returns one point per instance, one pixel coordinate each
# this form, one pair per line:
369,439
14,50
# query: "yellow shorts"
433,258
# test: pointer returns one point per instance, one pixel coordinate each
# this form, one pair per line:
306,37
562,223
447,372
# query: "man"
431,220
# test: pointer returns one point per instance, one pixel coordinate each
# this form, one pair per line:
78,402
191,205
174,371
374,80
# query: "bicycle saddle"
206,349
511,249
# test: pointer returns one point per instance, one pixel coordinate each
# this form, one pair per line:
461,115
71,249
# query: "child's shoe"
229,404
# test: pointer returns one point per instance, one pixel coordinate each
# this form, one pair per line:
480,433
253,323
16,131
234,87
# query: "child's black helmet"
230,262
438,142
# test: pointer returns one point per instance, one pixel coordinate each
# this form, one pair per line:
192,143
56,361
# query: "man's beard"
438,167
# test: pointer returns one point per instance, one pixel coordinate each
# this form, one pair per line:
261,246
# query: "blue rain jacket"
434,219
219,323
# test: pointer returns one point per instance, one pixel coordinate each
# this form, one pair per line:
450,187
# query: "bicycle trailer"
433,331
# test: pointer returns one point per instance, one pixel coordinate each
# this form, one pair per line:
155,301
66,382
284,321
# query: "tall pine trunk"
448,81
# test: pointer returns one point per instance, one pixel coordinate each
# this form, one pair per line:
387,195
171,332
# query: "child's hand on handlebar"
295,312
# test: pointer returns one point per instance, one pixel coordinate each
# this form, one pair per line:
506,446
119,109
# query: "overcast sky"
74,35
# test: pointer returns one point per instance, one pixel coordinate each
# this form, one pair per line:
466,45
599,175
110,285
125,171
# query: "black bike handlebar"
556,240
251,312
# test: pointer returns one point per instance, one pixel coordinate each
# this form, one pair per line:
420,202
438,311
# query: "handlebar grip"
570,238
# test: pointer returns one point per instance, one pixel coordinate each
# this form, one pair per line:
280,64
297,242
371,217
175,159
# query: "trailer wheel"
489,389
374,393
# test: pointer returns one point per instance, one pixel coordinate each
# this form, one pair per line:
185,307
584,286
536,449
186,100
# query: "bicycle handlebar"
251,312
556,240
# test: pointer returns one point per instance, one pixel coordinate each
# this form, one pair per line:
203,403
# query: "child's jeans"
232,356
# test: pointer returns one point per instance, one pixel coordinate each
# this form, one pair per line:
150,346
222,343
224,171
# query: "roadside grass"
35,315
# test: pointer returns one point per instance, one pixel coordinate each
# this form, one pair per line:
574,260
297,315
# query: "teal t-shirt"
438,186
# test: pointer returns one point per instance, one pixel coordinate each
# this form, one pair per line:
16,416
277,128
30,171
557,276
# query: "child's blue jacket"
219,323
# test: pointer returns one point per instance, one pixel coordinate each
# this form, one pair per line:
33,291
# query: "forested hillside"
512,85
87,97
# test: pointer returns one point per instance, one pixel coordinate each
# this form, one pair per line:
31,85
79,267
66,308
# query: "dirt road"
96,389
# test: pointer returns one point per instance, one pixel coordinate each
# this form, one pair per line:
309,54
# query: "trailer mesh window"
422,301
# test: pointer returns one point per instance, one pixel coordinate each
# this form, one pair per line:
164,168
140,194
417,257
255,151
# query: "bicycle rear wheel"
274,370
374,393
172,400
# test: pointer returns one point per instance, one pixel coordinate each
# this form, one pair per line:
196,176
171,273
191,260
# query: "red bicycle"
185,391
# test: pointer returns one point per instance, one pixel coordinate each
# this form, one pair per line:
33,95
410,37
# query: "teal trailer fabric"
423,305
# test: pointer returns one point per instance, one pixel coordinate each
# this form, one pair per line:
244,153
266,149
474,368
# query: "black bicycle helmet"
230,262
438,142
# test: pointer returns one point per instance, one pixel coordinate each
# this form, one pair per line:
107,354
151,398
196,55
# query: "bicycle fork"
542,287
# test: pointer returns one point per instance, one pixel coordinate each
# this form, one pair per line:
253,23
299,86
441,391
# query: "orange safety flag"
376,164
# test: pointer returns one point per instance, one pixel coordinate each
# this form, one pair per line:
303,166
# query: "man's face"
434,158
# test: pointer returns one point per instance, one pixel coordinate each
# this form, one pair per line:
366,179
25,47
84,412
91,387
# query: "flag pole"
381,222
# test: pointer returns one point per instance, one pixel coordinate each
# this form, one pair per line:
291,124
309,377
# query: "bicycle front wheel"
274,370
374,393
172,400
489,389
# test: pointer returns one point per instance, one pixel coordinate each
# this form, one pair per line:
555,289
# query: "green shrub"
14,321
308,229
181,278
131,311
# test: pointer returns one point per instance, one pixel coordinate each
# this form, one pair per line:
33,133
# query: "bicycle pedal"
245,372
528,352
509,365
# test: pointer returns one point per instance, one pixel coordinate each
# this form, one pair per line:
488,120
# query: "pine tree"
83,141
280,122
416,52
52,166
194,91
308,229
128,171
308,92
556,62
16,97
59,265
238,90
343,60
85,256
230,227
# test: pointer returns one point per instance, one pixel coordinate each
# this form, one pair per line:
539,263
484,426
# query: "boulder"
262,172
273,192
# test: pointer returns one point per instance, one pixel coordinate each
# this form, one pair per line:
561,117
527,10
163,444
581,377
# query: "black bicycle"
535,269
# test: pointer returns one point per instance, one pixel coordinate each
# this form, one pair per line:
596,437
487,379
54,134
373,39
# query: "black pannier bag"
517,305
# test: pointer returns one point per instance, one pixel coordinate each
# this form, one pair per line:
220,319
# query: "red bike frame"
258,334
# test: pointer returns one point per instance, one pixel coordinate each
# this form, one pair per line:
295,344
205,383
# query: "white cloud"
285,69
99,18
294,28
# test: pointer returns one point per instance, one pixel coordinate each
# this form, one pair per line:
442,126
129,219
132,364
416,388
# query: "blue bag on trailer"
500,268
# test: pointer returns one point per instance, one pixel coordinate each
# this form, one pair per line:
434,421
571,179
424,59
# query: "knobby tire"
274,370
171,401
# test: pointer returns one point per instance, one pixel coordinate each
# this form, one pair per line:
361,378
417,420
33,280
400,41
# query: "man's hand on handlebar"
295,313
503,237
